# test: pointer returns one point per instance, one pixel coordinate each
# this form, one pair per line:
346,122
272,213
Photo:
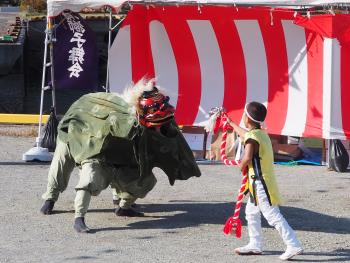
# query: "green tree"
33,5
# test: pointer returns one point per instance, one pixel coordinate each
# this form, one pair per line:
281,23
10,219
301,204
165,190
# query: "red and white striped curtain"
213,56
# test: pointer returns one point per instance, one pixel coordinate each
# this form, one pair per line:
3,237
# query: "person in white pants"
275,219
262,186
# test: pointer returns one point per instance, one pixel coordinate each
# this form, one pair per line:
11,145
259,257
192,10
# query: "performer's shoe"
291,252
129,212
117,201
47,207
248,250
79,225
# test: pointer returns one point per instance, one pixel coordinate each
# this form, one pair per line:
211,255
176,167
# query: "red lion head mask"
154,108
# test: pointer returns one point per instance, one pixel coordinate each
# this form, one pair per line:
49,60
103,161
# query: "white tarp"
54,7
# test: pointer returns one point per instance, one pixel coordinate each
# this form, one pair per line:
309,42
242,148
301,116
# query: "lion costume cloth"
118,142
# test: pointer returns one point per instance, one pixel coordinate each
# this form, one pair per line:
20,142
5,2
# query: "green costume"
100,133
90,120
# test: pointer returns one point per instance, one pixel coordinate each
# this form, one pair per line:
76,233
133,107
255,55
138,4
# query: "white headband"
250,117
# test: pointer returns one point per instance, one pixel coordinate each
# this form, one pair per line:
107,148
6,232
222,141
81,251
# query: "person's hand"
243,168
241,132
230,123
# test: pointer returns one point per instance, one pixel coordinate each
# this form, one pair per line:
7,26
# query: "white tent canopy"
54,7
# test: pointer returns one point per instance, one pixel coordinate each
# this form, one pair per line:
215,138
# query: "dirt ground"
183,223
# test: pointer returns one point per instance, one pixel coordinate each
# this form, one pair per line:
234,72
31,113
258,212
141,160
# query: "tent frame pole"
108,48
52,40
38,153
48,42
43,83
328,154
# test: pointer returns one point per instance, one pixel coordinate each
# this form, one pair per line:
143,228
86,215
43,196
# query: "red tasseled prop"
233,224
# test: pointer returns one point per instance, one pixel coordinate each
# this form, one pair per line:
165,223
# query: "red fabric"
237,77
188,67
345,88
331,26
314,116
235,80
277,62
142,57
185,52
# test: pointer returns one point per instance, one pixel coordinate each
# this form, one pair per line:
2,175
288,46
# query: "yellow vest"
261,167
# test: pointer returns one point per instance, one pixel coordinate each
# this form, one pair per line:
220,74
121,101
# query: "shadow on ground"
192,214
338,255
24,163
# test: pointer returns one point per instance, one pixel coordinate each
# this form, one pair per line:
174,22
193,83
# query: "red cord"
233,224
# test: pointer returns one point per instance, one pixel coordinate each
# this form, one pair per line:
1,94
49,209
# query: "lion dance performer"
117,140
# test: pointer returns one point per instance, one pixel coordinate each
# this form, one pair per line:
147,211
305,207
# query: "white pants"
273,216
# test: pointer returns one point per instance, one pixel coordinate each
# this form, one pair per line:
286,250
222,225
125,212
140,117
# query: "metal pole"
328,153
109,46
43,84
52,71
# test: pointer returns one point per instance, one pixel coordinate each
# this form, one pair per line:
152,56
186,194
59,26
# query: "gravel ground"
183,223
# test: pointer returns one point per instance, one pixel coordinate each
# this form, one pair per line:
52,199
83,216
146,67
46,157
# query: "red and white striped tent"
224,55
